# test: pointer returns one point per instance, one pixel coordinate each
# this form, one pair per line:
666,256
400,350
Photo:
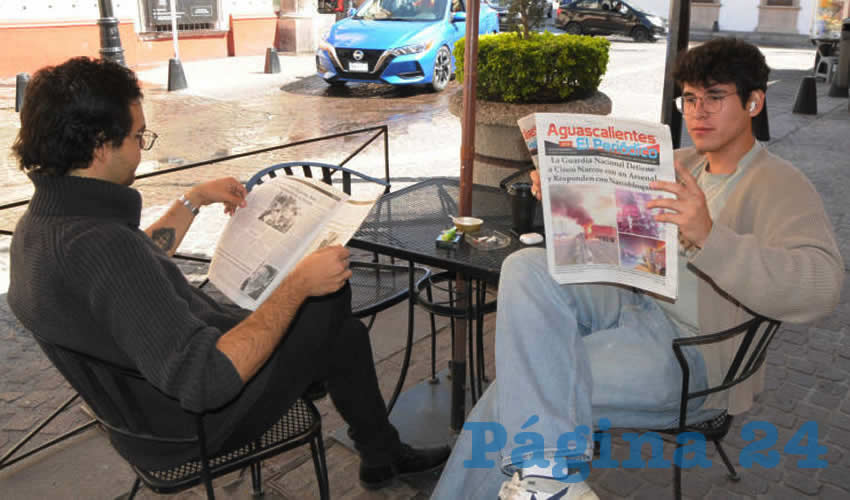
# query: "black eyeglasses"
146,139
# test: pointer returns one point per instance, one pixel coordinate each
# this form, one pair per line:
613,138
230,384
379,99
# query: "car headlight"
656,21
412,49
324,45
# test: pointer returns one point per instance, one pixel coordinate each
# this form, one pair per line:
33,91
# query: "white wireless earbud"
753,106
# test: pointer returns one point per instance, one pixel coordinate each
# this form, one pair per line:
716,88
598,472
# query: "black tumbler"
523,207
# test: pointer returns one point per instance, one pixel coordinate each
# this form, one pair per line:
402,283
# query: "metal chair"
826,62
101,384
375,286
754,336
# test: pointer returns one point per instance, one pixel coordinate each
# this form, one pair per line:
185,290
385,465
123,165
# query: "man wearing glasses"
84,276
755,239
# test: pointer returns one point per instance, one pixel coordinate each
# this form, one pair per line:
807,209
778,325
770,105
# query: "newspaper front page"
284,220
595,173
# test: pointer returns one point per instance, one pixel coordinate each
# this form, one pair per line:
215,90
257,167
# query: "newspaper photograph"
595,173
284,220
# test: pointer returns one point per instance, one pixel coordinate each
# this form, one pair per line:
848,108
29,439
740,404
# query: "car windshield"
402,10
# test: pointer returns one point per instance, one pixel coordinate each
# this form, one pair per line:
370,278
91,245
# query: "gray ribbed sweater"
84,275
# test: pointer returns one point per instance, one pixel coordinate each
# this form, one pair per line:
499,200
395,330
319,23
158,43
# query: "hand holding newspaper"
595,173
284,220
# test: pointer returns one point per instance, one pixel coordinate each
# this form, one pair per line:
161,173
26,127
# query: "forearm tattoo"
164,237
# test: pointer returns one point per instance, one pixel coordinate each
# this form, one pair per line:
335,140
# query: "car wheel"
640,34
573,28
442,69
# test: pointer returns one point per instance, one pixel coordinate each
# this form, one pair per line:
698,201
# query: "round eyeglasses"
146,139
711,103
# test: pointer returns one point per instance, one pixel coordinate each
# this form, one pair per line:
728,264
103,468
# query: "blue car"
400,42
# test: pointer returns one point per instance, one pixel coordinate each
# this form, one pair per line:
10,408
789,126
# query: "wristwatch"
188,204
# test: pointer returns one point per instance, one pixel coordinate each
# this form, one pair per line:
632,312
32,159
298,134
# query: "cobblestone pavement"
808,365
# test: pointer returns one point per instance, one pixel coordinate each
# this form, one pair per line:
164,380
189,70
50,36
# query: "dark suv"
609,17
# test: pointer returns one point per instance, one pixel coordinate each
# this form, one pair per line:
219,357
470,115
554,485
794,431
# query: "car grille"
370,56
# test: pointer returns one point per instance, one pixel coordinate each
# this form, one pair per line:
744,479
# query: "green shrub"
541,68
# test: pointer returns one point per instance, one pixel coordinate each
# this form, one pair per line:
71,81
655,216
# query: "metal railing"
379,131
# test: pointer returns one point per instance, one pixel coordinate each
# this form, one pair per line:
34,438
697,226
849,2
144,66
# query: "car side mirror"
351,12
459,17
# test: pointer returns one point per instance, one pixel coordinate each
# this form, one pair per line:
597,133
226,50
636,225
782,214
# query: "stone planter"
499,147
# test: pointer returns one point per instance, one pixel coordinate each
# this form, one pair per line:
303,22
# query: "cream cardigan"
771,251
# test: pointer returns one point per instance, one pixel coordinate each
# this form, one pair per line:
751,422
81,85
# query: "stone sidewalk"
808,365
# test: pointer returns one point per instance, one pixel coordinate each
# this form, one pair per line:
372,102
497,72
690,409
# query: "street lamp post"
110,38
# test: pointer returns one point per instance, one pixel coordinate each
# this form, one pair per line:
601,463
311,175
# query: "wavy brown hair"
724,60
72,109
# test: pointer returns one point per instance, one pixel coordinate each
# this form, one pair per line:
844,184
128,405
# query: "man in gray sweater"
754,239
84,276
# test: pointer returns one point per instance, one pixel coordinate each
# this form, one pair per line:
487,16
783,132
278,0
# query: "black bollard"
21,82
176,77
272,61
836,89
806,102
715,27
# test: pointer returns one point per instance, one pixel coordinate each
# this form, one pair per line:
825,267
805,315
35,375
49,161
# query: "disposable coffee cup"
523,207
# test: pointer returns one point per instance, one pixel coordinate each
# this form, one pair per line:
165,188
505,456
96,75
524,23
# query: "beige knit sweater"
771,251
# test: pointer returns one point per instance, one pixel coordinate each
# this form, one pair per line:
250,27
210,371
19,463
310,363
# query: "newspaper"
595,173
285,219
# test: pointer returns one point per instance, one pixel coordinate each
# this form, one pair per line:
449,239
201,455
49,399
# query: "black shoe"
408,461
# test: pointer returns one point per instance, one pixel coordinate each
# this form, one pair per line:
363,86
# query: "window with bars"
192,15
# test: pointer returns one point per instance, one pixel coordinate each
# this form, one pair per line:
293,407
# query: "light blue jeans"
571,355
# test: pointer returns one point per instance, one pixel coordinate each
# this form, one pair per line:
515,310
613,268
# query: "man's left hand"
226,190
691,209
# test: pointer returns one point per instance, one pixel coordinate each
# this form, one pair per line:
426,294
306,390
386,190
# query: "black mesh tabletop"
406,223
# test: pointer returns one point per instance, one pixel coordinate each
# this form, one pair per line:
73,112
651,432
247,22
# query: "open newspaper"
285,219
595,173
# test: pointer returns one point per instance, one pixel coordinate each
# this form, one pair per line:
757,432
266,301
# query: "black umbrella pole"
677,43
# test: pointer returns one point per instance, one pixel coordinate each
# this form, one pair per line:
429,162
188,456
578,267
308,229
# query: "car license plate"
358,66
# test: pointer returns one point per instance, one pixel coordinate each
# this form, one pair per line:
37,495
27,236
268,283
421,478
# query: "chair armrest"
745,363
713,338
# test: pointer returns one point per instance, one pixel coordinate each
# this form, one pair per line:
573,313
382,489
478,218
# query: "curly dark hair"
724,60
72,109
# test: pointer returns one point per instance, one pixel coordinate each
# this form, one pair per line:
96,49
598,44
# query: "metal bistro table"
404,224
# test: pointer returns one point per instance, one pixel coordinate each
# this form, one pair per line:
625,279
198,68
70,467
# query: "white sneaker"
544,488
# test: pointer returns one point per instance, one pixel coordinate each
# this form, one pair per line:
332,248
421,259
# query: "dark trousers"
324,342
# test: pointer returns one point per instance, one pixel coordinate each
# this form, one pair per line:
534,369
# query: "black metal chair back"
755,336
307,168
106,387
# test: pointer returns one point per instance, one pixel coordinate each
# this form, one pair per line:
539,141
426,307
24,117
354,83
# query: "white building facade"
800,18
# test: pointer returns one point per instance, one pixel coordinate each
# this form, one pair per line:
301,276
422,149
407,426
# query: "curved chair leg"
434,378
677,482
451,318
408,349
6,460
317,447
733,474
137,484
470,346
257,479
481,299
